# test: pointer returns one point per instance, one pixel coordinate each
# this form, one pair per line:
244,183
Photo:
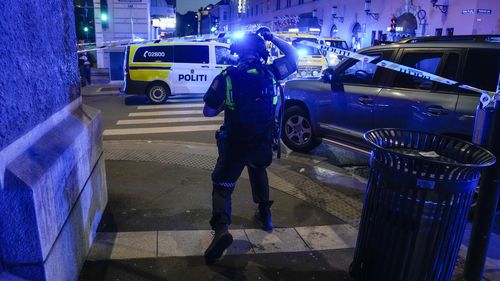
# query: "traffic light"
104,14
393,25
86,29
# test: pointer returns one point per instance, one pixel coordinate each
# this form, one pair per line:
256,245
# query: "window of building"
449,31
301,2
278,4
428,62
439,32
256,10
224,15
191,54
288,3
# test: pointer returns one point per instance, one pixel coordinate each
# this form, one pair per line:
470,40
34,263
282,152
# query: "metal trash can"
418,196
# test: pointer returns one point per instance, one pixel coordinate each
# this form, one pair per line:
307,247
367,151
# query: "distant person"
85,66
248,95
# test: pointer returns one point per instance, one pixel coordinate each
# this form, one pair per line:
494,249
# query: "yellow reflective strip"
148,74
229,93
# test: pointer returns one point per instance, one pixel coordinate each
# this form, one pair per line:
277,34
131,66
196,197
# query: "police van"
161,69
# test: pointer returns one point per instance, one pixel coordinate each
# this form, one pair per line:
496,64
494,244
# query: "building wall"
353,11
38,68
126,21
52,177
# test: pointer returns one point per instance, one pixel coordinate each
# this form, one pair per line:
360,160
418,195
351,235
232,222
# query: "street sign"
468,12
484,11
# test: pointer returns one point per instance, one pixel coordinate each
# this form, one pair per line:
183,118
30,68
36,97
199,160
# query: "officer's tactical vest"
251,97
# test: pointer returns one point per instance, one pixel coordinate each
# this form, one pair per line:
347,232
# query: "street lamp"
334,14
442,8
368,10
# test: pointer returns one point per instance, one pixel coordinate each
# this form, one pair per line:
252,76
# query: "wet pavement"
155,226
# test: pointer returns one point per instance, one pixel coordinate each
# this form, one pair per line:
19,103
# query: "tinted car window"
449,71
482,68
223,56
154,54
191,54
360,73
428,62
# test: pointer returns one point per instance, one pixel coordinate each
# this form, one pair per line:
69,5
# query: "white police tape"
125,43
486,99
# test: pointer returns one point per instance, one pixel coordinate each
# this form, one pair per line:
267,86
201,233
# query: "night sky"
192,5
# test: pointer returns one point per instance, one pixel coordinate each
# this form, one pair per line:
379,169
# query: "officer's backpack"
251,97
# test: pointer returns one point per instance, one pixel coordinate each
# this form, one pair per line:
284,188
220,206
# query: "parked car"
356,96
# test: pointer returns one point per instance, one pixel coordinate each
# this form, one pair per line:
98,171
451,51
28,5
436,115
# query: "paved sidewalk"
156,224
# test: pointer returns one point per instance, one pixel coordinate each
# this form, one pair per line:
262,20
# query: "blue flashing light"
238,35
302,52
104,17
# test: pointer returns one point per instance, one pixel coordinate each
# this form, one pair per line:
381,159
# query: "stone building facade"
359,22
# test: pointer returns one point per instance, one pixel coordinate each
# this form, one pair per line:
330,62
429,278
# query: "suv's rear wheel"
158,93
297,132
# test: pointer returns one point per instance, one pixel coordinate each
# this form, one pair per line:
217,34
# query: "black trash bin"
418,196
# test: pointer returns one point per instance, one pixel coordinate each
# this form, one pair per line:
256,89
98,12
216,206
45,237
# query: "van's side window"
428,62
154,54
482,68
191,54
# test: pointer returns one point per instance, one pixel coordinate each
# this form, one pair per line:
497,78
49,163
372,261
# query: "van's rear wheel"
297,132
158,93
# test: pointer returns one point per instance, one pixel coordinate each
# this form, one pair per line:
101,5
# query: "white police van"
161,69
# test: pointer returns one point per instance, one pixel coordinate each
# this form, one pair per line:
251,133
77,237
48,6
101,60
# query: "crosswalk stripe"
160,130
162,113
168,120
166,106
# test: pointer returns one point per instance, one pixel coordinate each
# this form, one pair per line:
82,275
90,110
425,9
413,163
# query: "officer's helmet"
250,44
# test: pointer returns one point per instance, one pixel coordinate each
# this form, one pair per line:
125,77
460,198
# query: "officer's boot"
263,216
222,240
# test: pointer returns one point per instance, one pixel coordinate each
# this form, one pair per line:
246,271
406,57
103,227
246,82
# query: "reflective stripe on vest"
229,93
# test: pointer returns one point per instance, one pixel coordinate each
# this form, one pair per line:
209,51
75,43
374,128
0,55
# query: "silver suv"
355,96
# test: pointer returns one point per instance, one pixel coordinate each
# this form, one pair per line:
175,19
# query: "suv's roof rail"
470,38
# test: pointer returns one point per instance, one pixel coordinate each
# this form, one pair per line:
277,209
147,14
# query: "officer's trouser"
231,161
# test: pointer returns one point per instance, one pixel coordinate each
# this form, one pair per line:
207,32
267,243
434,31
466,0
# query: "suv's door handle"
365,100
205,66
437,110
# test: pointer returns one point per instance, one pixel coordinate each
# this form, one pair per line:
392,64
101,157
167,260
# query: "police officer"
248,95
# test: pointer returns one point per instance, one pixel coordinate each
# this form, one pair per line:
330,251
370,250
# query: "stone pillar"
52,177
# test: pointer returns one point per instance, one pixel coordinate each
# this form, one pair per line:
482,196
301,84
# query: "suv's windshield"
305,50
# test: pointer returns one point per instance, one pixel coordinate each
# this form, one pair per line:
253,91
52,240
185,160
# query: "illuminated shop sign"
468,12
242,4
164,23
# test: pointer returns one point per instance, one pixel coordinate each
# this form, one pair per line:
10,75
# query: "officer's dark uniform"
249,92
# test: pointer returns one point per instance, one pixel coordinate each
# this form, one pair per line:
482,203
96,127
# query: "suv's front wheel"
297,132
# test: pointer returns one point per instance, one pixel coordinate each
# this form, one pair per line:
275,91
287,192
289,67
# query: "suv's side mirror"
327,75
